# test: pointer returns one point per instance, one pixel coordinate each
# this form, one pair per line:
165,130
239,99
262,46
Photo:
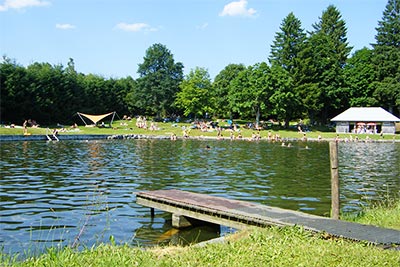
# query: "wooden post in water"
335,194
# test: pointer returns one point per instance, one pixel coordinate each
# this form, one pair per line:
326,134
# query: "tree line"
308,75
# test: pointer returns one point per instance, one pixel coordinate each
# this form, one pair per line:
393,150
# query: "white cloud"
21,4
135,27
238,8
202,26
65,26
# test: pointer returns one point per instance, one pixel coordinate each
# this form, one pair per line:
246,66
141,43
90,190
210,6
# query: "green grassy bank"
288,246
166,129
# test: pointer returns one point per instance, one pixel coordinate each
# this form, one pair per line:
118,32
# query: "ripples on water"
369,171
50,192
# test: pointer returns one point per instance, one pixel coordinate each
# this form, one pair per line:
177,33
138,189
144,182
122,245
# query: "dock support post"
335,193
152,212
179,221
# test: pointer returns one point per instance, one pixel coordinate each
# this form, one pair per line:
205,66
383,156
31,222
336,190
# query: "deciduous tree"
221,87
195,95
15,96
158,83
359,76
250,91
284,100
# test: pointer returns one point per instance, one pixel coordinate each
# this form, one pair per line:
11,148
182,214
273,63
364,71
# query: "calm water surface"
54,192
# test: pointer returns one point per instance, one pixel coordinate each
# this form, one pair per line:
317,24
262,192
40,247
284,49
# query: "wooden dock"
187,206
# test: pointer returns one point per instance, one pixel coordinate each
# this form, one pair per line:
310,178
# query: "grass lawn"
273,246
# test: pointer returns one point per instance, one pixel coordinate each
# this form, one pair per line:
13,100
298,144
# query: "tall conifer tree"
285,50
288,43
328,50
387,58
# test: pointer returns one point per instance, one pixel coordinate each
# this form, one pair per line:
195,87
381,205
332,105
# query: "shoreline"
85,137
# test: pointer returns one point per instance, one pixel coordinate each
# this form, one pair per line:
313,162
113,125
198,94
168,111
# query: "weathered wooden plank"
196,214
240,214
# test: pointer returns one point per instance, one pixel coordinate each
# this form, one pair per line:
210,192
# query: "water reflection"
54,192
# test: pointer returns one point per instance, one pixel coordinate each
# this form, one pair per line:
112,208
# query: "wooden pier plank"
240,214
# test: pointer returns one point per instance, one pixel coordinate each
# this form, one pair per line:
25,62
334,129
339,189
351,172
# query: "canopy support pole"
112,119
82,118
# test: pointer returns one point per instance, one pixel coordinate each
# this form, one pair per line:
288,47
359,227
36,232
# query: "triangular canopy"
96,118
366,114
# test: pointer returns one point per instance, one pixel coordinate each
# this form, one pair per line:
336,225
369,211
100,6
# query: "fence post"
335,193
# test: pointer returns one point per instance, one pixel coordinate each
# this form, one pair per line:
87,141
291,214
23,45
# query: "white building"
366,120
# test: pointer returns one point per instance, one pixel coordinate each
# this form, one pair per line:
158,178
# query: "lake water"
54,192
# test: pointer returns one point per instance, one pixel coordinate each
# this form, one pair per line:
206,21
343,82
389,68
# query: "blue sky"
110,37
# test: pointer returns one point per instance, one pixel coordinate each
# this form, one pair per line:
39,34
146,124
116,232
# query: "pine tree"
387,58
288,43
285,51
326,54
388,31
